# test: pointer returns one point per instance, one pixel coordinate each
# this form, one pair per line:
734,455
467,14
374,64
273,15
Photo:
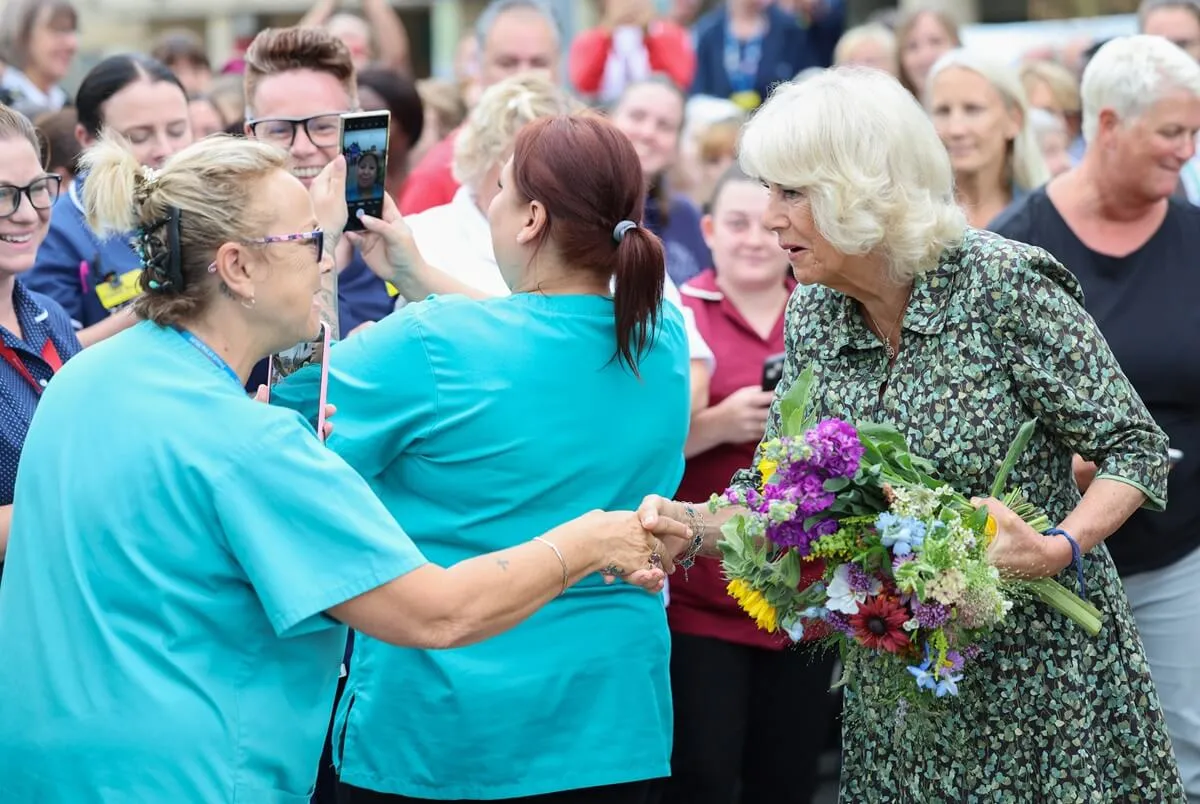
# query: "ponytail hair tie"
621,228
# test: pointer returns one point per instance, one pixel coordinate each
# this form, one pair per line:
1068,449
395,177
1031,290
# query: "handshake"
642,547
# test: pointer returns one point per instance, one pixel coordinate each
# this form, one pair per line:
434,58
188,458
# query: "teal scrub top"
481,424
174,548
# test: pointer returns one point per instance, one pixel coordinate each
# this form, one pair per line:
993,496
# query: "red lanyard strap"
49,354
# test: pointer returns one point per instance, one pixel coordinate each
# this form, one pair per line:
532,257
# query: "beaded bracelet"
566,575
699,528
1076,557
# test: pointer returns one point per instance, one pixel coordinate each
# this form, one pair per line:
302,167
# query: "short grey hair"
483,25
1147,7
875,173
1130,74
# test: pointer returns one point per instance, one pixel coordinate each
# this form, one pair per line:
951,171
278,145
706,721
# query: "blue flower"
903,534
947,685
926,680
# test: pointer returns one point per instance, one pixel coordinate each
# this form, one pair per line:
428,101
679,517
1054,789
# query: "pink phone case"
323,399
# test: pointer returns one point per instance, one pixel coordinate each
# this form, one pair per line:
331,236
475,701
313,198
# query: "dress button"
43,382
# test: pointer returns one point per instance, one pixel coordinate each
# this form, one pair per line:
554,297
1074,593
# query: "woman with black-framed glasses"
180,574
36,335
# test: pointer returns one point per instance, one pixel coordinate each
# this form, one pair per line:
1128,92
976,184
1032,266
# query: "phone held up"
364,143
307,355
772,372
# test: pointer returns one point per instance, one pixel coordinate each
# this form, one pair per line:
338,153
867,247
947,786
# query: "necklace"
888,348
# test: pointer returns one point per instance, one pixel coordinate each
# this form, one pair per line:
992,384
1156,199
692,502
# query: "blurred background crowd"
1001,81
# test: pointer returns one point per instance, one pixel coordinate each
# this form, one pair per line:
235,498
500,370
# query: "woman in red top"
752,709
631,44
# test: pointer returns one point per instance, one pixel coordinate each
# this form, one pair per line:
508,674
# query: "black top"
1147,304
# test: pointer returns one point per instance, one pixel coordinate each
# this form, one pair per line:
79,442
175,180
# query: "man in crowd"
298,81
513,36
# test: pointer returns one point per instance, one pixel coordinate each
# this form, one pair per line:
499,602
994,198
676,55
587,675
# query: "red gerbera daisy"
879,624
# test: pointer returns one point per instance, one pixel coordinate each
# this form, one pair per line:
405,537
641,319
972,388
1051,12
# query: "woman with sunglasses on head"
36,335
176,635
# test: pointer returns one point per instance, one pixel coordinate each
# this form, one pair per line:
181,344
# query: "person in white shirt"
456,236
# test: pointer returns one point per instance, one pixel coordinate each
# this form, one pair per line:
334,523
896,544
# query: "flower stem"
1066,602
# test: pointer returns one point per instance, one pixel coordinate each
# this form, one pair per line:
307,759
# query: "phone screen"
772,372
365,146
308,356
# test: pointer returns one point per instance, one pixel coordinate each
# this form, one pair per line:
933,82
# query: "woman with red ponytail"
480,422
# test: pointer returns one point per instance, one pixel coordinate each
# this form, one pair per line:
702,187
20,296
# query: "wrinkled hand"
666,519
1018,550
387,245
263,395
640,555
744,413
328,193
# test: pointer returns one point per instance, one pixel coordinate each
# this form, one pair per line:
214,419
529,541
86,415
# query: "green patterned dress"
995,336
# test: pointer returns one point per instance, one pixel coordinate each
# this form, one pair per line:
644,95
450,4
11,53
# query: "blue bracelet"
1076,558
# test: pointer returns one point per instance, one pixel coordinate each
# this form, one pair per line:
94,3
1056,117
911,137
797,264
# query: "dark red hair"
588,177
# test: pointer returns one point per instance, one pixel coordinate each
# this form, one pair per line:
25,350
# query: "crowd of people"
551,349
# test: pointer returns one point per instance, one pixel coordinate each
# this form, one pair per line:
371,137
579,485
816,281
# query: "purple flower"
840,622
836,448
956,661
793,534
859,580
930,615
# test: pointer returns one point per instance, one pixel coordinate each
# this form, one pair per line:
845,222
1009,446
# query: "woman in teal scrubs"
478,421
184,560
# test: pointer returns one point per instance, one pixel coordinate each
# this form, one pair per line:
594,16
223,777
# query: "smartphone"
1174,455
364,143
772,371
307,355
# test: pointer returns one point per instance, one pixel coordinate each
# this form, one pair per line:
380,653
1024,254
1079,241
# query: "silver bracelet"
566,575
699,529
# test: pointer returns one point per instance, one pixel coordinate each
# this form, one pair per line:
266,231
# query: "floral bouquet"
907,579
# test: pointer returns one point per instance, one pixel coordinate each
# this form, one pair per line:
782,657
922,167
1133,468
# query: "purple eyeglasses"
316,237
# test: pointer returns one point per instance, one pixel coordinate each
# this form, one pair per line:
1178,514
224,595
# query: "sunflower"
879,624
767,469
754,604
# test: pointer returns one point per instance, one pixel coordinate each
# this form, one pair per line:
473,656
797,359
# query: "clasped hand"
1018,550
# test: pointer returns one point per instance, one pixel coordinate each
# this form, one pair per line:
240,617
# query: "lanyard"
207,351
49,354
741,65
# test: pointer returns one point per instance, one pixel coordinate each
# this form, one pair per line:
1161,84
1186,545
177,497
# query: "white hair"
1130,74
1046,123
490,131
1026,164
876,176
872,33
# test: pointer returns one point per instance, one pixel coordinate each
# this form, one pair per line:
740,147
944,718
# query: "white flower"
844,599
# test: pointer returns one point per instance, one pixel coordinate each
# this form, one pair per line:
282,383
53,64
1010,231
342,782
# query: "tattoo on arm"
327,299
503,563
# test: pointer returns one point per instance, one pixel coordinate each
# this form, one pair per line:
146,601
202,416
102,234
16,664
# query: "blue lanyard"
741,65
207,351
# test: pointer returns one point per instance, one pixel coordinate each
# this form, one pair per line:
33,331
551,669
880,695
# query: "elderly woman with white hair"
979,109
1133,247
956,336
